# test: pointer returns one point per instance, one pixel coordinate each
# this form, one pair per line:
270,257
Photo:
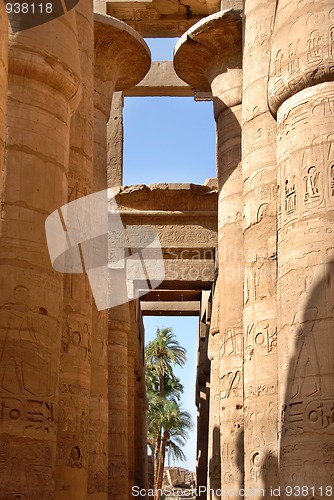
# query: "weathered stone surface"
44,89
260,226
299,61
74,428
72,386
305,164
208,57
119,328
115,141
161,18
3,77
161,80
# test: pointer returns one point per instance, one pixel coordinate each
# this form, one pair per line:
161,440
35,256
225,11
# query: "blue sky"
171,140
186,331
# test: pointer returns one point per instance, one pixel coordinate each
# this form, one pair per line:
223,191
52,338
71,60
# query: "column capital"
302,51
209,56
49,56
122,57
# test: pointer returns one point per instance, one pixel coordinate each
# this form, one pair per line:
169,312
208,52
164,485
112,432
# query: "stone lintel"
172,295
170,308
180,197
161,18
161,80
213,48
121,54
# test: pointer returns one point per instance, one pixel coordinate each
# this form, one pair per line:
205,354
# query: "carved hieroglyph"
74,426
260,300
208,57
119,328
301,92
122,59
44,83
214,346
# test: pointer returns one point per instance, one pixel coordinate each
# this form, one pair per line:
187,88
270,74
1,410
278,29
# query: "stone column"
132,410
3,79
115,141
202,391
75,355
214,459
208,57
122,59
260,306
119,328
301,96
43,91
141,466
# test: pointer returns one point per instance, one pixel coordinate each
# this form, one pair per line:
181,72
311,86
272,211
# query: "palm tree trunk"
160,468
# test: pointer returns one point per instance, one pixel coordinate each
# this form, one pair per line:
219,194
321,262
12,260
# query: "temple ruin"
250,252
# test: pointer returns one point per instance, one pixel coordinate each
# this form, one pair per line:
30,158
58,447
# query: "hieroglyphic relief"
301,61
26,362
25,471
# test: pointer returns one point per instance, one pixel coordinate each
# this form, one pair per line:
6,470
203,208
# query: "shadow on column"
307,440
215,465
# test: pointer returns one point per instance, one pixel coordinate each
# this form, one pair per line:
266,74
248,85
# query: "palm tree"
168,423
163,352
175,423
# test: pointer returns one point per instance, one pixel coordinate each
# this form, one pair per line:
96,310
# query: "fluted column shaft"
121,60
260,242
208,57
43,91
230,255
73,452
119,328
214,345
301,95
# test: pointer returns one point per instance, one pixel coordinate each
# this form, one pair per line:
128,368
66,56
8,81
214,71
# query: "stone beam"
170,308
160,18
161,80
187,232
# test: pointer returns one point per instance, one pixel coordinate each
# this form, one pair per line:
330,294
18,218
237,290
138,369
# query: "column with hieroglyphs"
3,78
301,96
140,451
74,427
208,57
43,92
260,216
122,59
118,435
214,459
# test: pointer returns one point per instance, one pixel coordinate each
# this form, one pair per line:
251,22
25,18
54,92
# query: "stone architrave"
260,226
3,79
208,57
74,426
122,59
43,92
301,96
